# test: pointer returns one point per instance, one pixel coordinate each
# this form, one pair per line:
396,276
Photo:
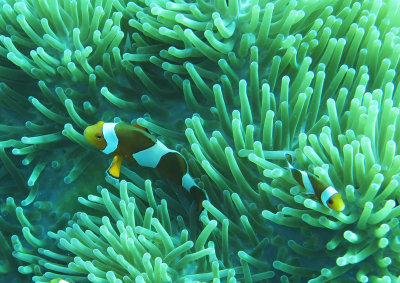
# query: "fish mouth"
85,133
341,207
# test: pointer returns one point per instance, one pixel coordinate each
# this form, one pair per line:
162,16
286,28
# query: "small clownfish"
328,196
135,144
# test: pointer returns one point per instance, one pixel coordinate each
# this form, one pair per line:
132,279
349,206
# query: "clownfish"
328,196
135,144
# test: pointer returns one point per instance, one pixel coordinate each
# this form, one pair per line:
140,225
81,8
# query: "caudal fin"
199,196
289,159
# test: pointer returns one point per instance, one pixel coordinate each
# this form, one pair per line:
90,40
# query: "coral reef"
234,86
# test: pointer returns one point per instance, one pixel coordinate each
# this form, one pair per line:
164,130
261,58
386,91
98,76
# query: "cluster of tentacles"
233,85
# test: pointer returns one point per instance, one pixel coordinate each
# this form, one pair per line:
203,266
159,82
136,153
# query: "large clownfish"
328,196
135,144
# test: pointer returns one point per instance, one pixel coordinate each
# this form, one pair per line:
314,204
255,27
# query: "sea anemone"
234,86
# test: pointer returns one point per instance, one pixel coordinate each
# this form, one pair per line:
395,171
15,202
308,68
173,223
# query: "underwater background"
234,86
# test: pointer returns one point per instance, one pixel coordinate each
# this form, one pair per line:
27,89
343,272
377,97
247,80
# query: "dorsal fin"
318,186
141,127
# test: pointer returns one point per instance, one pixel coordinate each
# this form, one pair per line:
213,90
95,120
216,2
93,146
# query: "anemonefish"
328,196
135,144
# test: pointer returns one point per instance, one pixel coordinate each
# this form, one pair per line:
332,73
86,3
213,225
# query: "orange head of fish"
336,202
94,135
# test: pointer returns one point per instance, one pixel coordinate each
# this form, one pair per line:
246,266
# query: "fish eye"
330,201
99,136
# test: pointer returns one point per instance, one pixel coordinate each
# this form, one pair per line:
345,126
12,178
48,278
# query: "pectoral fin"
115,167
